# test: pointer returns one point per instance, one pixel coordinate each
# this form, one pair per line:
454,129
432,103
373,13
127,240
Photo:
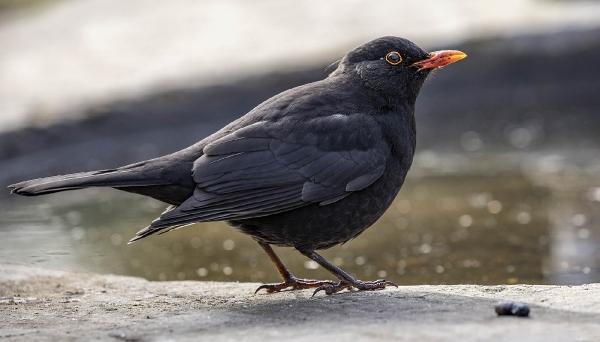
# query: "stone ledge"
47,305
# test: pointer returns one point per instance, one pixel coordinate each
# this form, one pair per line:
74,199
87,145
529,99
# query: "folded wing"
266,168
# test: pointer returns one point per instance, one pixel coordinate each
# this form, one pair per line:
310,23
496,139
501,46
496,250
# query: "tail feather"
103,178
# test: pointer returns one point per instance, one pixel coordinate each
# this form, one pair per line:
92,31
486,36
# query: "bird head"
394,67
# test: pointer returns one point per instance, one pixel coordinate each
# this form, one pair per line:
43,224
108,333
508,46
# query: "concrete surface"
63,58
45,305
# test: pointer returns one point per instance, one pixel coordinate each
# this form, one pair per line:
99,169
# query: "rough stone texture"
46,305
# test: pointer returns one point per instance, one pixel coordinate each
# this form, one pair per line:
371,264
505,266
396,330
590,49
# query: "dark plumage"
309,168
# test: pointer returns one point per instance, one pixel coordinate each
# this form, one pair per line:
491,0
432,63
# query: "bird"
309,168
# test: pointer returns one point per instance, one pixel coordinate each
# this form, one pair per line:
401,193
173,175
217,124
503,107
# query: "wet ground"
505,186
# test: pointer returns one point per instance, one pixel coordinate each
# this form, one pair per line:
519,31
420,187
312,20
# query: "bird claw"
359,285
295,284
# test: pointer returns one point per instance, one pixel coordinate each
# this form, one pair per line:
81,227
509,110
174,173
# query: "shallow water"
481,219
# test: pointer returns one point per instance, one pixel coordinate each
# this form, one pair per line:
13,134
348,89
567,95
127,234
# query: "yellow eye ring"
393,58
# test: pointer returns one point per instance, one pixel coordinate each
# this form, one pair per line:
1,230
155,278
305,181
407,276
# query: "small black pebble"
511,308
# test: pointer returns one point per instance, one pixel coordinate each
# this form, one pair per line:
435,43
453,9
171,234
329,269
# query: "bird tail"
122,177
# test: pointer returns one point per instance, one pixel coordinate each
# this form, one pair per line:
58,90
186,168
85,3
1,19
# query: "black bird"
310,168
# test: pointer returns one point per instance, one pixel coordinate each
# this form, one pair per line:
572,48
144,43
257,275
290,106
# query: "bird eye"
393,58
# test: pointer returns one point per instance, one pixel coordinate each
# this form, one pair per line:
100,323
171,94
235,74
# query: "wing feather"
236,144
262,169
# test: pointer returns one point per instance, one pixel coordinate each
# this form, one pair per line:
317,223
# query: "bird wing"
271,167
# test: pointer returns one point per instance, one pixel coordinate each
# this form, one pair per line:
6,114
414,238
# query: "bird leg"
346,281
288,279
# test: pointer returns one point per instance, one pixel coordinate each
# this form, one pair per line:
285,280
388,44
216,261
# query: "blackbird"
310,168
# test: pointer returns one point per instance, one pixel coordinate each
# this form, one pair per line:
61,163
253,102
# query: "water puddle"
495,219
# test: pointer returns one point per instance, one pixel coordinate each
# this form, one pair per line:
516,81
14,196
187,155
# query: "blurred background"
505,187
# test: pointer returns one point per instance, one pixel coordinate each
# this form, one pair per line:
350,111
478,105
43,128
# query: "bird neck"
382,99
399,130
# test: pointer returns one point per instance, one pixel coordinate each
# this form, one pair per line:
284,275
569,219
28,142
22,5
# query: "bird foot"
357,284
295,284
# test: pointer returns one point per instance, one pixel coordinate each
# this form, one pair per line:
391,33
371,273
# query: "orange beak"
439,59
